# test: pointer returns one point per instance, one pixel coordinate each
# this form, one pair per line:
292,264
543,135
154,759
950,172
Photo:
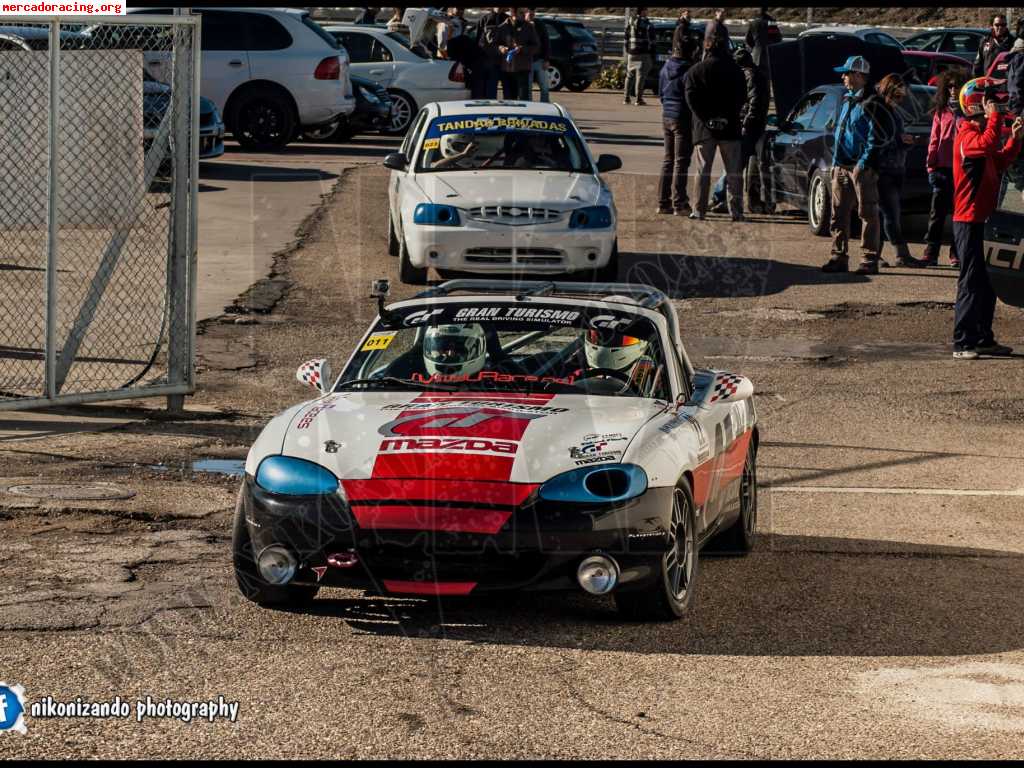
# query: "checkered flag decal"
725,386
309,372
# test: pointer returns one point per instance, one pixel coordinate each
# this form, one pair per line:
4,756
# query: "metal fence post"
52,213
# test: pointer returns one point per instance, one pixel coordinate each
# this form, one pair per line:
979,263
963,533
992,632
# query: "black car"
961,41
1004,251
373,113
800,149
664,30
574,61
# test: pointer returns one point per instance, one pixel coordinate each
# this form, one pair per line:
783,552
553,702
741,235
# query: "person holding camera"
979,160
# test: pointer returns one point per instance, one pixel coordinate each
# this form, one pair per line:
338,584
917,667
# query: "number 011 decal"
378,341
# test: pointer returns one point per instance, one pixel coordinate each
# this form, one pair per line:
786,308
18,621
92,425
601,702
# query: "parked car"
411,79
801,148
499,187
373,113
1004,251
664,31
574,62
480,439
156,97
926,66
14,37
271,71
958,41
867,34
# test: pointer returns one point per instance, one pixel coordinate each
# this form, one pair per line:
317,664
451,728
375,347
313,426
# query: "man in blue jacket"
855,170
677,125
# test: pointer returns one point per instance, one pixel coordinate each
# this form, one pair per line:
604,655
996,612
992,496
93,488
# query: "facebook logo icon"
12,708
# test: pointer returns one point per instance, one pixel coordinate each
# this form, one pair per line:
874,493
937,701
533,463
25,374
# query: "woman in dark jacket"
892,162
678,128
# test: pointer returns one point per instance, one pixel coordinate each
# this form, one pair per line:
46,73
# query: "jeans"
846,191
731,155
890,190
637,67
675,165
540,76
975,299
941,181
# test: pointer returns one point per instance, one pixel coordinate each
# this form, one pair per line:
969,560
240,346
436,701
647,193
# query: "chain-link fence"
99,121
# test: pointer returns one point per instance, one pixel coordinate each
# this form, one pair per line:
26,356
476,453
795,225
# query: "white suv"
270,71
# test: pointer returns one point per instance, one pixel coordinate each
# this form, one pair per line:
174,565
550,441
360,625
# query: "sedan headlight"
591,217
294,477
596,485
438,215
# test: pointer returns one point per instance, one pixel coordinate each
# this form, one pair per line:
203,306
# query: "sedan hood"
549,189
518,438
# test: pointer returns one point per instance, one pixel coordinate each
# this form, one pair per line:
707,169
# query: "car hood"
467,189
515,438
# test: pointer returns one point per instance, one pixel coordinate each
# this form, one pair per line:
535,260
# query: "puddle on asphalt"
230,467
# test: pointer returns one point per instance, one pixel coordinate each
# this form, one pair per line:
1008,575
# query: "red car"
926,66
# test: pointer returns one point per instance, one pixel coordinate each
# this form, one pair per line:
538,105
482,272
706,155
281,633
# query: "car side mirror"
713,387
396,161
607,163
316,374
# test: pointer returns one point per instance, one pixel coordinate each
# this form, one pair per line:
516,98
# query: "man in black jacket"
518,44
487,74
639,49
757,38
1000,40
716,92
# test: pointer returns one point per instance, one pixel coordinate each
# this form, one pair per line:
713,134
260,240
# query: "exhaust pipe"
598,574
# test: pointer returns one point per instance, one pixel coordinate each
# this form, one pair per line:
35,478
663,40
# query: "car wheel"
393,246
250,583
819,203
403,109
264,121
555,78
409,274
672,594
738,539
579,86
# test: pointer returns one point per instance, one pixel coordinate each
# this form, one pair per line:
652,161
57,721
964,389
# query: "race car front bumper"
539,546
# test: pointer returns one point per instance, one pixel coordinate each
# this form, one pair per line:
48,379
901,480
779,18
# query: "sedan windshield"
512,142
552,348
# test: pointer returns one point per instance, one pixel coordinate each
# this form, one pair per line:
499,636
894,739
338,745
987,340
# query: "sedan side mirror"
606,163
396,161
316,374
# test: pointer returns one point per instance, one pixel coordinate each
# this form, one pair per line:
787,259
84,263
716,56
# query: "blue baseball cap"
854,64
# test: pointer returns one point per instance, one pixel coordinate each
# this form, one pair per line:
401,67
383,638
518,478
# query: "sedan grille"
523,256
514,215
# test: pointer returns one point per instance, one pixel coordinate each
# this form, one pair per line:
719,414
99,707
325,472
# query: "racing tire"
409,274
556,80
579,86
250,583
738,538
403,110
393,246
263,121
671,596
819,203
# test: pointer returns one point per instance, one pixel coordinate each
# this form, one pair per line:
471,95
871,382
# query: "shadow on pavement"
257,172
794,596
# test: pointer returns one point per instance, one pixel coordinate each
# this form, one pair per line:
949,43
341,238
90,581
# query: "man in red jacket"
979,161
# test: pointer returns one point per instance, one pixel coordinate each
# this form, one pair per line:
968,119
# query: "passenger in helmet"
456,148
454,350
623,353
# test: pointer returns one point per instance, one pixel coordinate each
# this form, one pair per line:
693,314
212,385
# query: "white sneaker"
965,354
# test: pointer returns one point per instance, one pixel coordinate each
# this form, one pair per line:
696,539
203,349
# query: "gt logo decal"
422,316
477,422
609,321
378,341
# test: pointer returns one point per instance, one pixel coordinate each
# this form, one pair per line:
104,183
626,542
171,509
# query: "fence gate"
99,122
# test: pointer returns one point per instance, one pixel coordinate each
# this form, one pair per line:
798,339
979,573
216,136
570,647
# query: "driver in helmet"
457,150
454,350
625,354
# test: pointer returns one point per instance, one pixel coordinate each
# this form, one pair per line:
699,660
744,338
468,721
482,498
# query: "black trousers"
515,85
975,299
675,165
941,181
890,191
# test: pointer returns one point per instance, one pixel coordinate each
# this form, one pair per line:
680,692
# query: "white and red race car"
526,436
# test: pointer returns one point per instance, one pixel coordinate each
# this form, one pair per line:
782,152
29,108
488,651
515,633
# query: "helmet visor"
611,339
451,349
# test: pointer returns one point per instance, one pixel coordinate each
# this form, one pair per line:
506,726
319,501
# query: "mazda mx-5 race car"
499,187
533,436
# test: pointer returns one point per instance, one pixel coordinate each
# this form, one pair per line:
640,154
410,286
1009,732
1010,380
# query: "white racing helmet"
454,350
615,351
453,144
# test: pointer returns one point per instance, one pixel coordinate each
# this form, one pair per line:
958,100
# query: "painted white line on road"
905,491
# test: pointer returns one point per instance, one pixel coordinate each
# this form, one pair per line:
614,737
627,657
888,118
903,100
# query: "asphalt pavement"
880,614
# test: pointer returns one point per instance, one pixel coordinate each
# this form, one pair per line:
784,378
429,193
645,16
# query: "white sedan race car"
542,436
500,187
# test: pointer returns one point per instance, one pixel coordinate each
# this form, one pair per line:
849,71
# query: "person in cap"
715,93
979,160
855,170
639,47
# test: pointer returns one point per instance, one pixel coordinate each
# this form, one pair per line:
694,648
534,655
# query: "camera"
380,287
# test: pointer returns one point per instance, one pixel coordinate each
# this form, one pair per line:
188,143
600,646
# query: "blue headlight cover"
438,215
571,486
591,217
294,477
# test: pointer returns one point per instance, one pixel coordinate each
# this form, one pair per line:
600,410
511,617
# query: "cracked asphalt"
880,615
